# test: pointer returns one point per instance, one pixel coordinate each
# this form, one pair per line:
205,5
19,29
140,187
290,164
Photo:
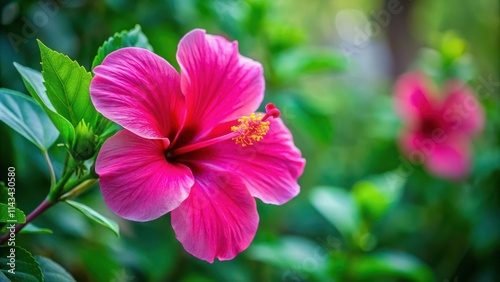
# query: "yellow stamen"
251,128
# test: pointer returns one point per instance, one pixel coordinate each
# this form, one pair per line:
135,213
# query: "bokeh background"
364,213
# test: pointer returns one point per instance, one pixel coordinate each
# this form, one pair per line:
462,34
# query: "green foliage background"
356,218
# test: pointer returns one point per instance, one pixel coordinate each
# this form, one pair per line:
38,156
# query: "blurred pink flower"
192,143
438,124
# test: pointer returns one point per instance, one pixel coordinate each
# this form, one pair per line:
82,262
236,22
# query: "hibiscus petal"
136,180
219,84
451,159
447,155
269,168
412,97
219,218
140,91
417,146
461,109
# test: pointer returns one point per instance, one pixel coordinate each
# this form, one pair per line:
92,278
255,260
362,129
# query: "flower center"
168,155
429,125
251,128
254,127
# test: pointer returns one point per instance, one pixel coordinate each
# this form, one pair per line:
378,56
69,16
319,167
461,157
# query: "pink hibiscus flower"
438,125
192,144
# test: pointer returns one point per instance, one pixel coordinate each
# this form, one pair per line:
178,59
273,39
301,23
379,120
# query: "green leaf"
67,85
440,67
390,264
95,216
375,195
452,47
304,118
26,268
294,63
430,62
463,68
131,38
33,229
25,116
15,215
53,271
33,81
291,253
390,185
4,193
106,268
338,207
369,199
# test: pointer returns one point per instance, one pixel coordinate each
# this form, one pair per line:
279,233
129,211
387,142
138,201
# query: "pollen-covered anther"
254,127
250,129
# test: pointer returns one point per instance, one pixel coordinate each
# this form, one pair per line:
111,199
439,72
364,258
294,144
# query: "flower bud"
83,147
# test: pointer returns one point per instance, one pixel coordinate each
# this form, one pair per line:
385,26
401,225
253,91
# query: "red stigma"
271,110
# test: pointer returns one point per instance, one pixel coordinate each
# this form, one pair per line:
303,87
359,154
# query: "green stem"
53,198
54,193
51,168
82,187
66,161
72,184
38,211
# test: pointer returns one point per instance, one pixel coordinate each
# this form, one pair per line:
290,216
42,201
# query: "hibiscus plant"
156,140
